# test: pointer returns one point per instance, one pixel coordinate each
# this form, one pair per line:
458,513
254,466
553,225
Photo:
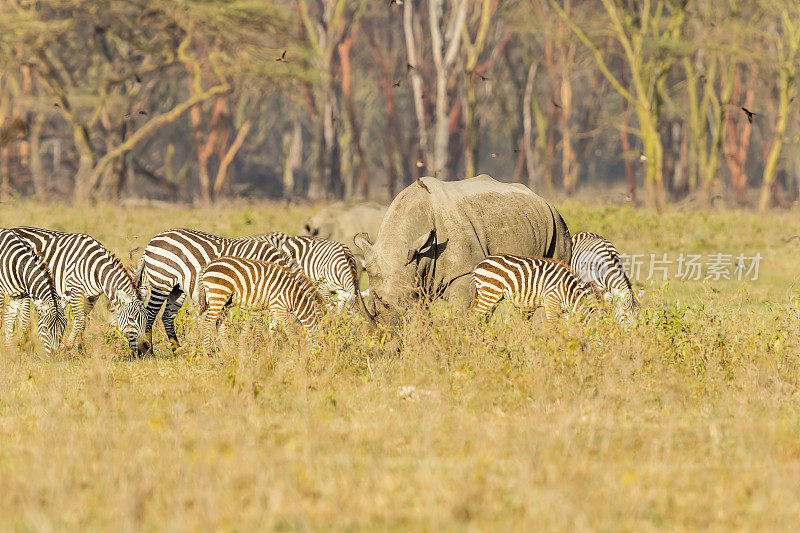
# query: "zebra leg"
24,314
485,302
78,303
210,322
154,304
174,303
552,308
12,307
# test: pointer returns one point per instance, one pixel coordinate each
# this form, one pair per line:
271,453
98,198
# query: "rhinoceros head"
392,268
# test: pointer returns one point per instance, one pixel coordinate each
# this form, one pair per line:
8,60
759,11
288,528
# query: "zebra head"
626,306
50,324
130,318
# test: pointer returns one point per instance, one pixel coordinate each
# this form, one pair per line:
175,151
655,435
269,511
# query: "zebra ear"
123,298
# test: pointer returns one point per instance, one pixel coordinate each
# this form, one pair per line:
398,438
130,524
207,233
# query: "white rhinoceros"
435,232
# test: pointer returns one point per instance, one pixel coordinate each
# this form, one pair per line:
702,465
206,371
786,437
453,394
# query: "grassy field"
690,422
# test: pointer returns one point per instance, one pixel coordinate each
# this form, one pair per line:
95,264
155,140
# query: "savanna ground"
690,422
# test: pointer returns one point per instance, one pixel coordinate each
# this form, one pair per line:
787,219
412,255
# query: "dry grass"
691,422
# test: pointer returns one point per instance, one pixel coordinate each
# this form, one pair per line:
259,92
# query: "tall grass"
688,422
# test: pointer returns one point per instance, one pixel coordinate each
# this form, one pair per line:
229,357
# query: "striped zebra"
171,265
24,276
275,238
283,291
595,260
529,283
332,267
83,270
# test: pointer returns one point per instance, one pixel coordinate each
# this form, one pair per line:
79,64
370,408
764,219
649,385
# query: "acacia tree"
786,40
646,35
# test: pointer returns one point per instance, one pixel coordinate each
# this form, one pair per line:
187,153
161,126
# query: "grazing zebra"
275,238
529,283
83,270
596,261
332,266
251,283
171,265
24,275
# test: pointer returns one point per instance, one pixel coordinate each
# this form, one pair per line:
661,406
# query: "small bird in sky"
396,84
282,59
421,185
749,114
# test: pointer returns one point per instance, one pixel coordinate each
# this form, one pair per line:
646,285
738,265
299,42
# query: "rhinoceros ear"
362,241
422,245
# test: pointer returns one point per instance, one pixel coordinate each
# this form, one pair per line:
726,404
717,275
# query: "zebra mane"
118,262
560,262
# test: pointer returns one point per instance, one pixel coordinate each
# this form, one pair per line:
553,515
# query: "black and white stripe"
275,238
595,260
528,283
24,276
331,266
83,270
173,261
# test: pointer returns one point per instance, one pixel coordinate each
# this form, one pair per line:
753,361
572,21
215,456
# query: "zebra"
172,263
83,270
23,276
252,283
529,283
275,238
332,266
595,260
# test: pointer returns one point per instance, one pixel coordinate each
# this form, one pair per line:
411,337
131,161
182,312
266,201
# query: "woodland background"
186,100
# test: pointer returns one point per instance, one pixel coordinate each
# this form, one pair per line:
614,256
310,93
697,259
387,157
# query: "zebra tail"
138,274
202,303
473,291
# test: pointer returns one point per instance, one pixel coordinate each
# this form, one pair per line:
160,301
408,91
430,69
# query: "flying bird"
421,185
282,58
555,104
749,114
409,67
396,84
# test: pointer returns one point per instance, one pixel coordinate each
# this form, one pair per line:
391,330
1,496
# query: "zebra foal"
83,270
280,290
528,283
24,276
173,262
595,260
